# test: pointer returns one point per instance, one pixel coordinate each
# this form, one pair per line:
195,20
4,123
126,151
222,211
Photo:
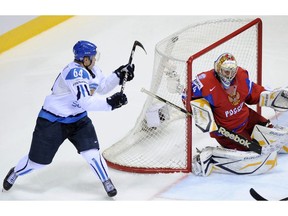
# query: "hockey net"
161,140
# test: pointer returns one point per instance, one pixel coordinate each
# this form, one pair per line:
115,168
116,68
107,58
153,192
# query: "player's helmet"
84,48
226,68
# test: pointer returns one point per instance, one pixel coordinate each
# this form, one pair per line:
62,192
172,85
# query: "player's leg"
85,140
47,137
24,166
99,167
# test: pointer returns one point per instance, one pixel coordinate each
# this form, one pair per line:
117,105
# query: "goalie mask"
226,68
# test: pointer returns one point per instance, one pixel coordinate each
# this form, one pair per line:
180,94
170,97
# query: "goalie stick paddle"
258,197
136,43
251,145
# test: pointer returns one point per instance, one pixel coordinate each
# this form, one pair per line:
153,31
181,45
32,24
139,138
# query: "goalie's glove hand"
122,70
276,99
117,100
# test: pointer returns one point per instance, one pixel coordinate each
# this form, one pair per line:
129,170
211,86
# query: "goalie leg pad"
202,163
271,139
229,161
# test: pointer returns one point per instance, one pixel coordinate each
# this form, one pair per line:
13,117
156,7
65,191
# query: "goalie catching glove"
117,100
122,70
276,99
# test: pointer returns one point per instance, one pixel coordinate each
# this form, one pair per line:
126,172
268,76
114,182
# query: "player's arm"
102,85
77,80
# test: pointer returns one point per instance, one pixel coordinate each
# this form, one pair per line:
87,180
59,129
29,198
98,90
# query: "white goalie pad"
157,114
203,116
230,161
276,99
271,139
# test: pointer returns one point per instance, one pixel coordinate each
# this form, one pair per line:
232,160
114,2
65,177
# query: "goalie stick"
251,145
165,101
258,197
136,43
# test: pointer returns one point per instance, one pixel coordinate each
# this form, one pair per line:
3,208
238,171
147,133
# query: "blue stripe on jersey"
77,73
196,91
93,86
54,118
209,98
250,86
82,90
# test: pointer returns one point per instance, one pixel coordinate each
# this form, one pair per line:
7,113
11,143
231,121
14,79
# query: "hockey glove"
276,99
120,72
117,100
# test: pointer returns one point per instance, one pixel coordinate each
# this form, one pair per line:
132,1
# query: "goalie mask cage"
161,140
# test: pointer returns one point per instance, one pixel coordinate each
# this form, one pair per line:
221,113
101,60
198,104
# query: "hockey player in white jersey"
77,89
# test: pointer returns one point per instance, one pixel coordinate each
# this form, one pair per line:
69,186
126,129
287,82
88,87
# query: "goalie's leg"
202,163
228,161
271,139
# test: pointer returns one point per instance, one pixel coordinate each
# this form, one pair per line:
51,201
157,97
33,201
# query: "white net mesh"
158,141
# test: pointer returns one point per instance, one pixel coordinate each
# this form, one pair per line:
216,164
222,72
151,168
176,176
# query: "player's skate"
9,179
109,188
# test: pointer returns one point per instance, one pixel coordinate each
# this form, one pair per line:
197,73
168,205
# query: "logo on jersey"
211,89
197,84
234,98
76,104
233,95
234,111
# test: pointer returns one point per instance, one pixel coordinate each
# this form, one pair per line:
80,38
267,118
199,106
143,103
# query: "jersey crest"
233,95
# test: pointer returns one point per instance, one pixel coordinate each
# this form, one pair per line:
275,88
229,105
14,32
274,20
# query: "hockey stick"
165,101
258,197
251,145
136,43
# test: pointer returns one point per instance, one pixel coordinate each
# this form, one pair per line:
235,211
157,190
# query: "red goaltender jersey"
228,105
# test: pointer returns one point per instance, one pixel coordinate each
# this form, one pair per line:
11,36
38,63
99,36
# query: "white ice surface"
29,70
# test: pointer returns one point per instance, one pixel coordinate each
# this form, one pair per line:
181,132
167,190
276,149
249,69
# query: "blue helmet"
84,48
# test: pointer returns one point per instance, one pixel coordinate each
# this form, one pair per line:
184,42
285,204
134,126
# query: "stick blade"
256,196
137,43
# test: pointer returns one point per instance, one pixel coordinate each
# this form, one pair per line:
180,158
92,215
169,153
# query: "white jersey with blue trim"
71,92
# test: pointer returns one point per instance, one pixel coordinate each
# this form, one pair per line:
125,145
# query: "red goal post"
161,140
